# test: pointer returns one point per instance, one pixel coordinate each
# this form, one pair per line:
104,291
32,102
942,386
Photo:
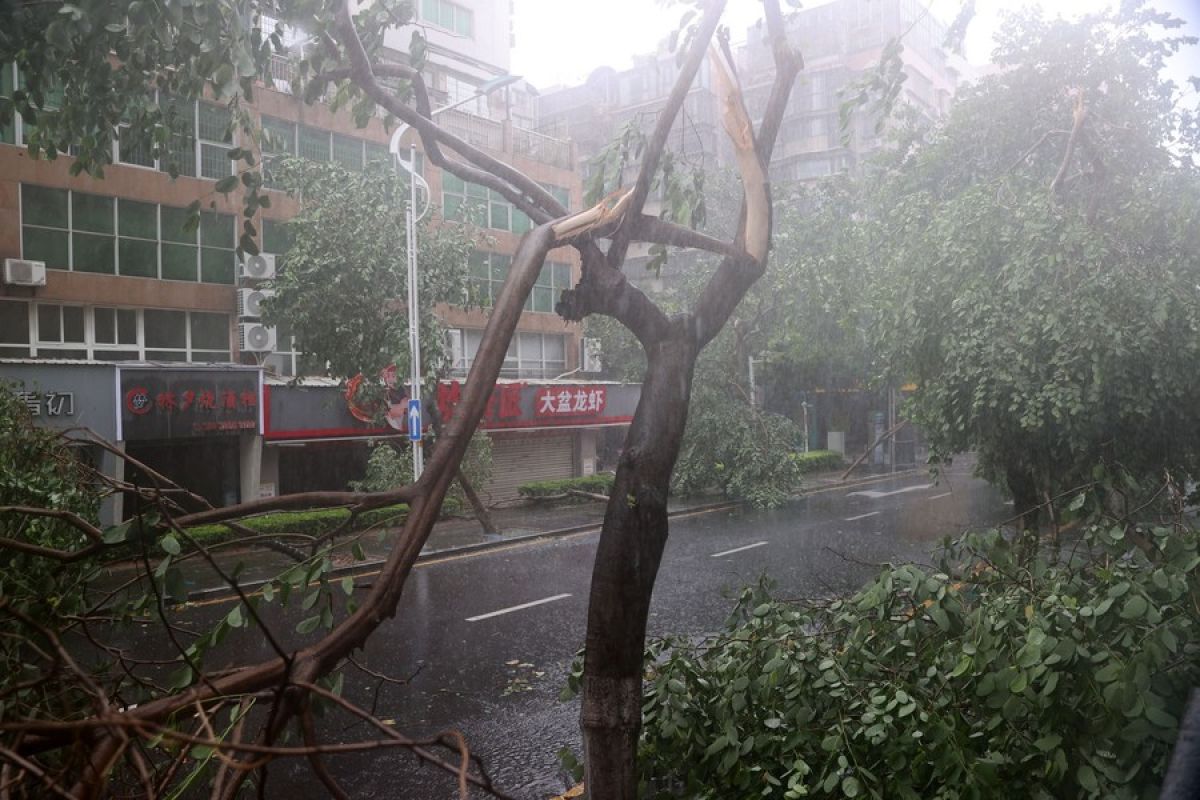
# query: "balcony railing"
478,131
543,148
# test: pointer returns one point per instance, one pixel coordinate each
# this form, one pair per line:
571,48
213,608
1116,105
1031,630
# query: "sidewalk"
254,566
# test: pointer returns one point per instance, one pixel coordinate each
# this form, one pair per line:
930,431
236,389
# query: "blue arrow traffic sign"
414,420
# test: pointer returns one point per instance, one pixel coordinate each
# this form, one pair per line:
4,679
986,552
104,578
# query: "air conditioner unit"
589,355
250,301
257,338
19,272
258,268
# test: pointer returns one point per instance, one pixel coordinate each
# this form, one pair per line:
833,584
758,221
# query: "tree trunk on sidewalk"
477,507
633,537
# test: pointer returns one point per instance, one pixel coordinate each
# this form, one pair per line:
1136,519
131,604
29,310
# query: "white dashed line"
737,550
863,516
940,496
521,607
875,495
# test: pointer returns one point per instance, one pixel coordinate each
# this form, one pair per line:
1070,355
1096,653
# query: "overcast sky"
562,41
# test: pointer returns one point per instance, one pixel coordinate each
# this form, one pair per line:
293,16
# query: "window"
93,242
215,127
530,355
450,16
8,128
115,336
14,329
46,225
137,238
218,239
313,144
487,273
553,279
348,151
50,330
469,202
276,236
279,140
181,144
91,233
560,193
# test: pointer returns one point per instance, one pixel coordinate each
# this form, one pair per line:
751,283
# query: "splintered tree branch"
653,151
524,192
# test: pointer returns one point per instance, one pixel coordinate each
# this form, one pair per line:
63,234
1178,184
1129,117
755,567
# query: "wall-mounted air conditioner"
257,338
250,302
258,268
20,272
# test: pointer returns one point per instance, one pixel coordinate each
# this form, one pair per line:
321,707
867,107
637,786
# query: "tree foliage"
39,469
1037,259
342,283
989,675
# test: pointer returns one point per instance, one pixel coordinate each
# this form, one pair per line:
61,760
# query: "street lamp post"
411,219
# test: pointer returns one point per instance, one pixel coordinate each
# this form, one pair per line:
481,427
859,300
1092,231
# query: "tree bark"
477,507
633,537
1024,491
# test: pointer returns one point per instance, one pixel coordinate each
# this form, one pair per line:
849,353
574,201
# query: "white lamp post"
411,219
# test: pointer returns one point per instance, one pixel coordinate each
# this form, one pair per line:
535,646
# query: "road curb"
217,592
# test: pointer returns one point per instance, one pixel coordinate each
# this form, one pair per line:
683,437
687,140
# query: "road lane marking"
737,550
876,495
529,542
863,516
521,607
940,496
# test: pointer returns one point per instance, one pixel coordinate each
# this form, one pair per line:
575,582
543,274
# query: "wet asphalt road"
496,676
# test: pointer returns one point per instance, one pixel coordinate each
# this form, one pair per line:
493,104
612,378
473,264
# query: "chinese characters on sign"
52,404
167,403
570,401
518,405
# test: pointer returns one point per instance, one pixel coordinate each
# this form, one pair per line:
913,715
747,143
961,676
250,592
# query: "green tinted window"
277,236
91,212
138,257
175,226
216,230
39,244
209,331
179,261
8,127
216,265
138,219
42,206
93,253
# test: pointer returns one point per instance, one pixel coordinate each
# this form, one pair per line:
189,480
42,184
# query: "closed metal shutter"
521,459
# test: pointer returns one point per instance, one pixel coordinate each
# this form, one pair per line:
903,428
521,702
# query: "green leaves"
1022,690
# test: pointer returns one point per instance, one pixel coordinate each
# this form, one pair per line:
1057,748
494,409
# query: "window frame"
94,350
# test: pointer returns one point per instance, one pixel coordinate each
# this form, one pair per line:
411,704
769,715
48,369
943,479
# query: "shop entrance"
206,466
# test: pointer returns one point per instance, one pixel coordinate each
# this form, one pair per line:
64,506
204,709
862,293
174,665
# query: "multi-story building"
145,330
839,40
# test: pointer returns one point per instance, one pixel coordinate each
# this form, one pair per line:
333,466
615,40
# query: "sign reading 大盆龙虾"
174,403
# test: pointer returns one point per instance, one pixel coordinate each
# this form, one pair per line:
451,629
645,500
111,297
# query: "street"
491,635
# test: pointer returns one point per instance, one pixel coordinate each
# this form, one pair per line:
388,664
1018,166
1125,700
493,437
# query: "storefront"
543,430
312,442
197,425
540,430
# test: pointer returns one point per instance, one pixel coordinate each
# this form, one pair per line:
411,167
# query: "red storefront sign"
517,405
569,402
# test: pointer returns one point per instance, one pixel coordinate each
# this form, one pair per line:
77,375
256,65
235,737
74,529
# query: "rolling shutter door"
521,459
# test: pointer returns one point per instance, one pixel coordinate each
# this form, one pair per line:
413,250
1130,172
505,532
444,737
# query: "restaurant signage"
174,403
